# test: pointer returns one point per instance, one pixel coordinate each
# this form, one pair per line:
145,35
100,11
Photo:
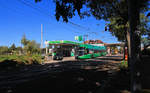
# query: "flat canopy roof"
62,42
71,43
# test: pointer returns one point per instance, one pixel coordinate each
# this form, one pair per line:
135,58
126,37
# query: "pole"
46,43
41,35
86,37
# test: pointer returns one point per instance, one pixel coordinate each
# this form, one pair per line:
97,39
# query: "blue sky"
18,19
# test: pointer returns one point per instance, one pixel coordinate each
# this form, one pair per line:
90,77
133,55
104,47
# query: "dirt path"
84,76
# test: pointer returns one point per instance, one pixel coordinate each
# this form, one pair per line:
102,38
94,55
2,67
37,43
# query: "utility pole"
41,36
86,37
46,44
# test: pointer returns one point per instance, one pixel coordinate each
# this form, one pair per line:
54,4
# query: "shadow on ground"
113,58
68,77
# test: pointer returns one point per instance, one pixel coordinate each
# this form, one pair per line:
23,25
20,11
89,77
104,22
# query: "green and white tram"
86,51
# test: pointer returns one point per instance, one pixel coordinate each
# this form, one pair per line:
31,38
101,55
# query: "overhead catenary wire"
29,4
88,31
16,11
77,26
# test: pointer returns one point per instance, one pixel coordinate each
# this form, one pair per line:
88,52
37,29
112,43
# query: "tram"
87,51
62,48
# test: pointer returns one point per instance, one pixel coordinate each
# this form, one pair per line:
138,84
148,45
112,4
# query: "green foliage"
37,0
23,59
113,11
16,56
145,41
10,50
123,65
100,9
19,50
4,50
13,47
24,41
118,26
30,46
12,62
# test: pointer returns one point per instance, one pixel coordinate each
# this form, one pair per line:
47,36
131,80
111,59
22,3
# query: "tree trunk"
129,47
134,45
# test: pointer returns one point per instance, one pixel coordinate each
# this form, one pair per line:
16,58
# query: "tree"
24,41
108,9
134,9
13,47
145,41
119,28
33,47
30,47
19,50
4,50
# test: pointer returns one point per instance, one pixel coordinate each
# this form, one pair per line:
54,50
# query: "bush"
146,51
23,59
124,64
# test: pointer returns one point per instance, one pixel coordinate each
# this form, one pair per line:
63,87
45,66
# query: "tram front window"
80,52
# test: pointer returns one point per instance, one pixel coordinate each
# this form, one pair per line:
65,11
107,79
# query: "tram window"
81,53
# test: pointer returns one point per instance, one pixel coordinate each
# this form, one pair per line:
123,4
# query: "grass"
13,62
16,60
145,90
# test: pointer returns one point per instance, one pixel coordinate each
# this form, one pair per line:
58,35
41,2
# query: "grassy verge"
25,59
145,90
12,61
119,82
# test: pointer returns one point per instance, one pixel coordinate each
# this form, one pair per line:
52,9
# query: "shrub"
124,64
17,60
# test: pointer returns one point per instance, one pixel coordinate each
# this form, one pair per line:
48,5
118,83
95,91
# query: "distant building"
94,42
